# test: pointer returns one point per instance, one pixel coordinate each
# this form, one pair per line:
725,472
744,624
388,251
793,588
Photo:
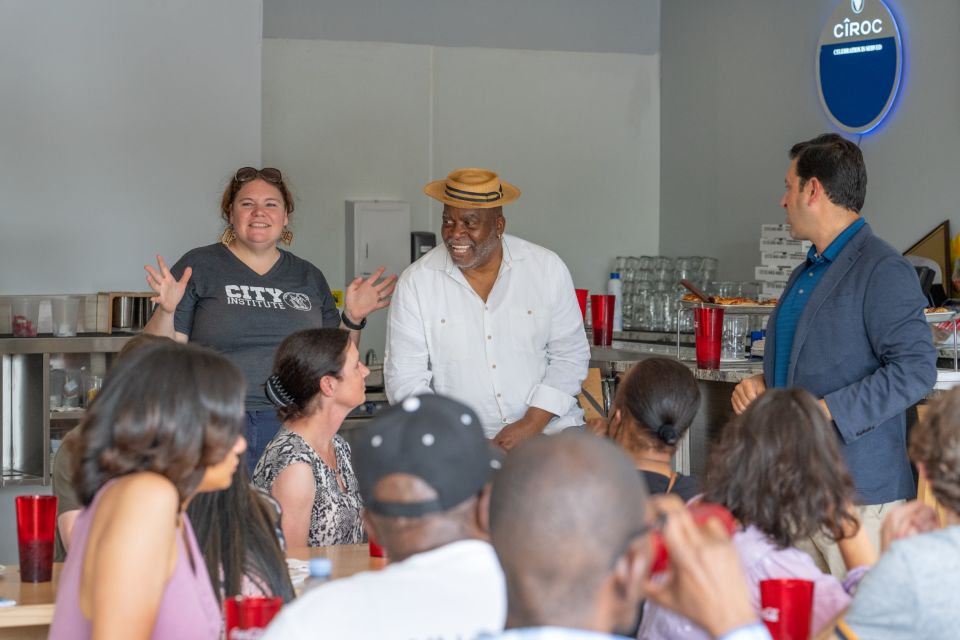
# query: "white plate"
944,316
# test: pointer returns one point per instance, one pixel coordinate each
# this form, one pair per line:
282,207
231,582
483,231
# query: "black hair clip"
276,393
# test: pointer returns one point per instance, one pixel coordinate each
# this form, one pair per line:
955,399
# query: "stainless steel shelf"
76,414
21,480
46,343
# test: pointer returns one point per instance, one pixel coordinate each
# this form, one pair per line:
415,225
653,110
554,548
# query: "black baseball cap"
434,438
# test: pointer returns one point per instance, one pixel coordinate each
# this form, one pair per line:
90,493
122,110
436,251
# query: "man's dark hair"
838,164
562,510
778,467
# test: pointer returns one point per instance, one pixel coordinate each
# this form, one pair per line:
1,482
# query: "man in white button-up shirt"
488,319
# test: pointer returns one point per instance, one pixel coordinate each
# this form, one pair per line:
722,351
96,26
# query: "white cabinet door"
381,237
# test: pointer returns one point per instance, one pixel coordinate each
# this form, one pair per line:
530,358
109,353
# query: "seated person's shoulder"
146,497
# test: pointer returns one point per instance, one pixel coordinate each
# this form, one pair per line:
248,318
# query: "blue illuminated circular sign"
859,64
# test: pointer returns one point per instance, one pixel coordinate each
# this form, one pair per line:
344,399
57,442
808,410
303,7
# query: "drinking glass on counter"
708,327
57,378
627,275
602,307
735,329
621,264
25,317
72,388
91,387
36,522
64,312
646,262
633,263
662,263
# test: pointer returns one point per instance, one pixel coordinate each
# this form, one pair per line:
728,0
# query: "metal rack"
25,414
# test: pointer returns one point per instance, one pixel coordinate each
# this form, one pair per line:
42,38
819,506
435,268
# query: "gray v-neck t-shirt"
235,311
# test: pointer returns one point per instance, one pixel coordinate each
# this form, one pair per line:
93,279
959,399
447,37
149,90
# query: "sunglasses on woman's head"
246,174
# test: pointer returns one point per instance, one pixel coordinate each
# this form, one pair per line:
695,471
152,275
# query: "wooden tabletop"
35,601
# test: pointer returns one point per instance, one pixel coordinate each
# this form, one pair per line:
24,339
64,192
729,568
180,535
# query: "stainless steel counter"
716,388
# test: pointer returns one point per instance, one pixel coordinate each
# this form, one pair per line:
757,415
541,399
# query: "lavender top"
762,560
188,609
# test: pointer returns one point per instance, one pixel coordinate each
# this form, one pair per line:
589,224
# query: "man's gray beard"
481,252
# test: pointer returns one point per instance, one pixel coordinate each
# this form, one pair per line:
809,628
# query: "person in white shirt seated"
570,521
488,319
424,469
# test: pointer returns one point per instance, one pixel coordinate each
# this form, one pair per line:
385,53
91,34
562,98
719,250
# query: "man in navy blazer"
849,328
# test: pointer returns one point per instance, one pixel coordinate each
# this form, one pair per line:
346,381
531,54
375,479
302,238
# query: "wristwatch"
350,325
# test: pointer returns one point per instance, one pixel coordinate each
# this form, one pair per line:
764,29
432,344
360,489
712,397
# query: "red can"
787,608
701,512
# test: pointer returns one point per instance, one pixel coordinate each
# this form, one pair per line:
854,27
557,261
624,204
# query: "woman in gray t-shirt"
243,295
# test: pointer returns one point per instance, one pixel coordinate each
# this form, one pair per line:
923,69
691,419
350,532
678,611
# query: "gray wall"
121,122
609,26
739,88
364,121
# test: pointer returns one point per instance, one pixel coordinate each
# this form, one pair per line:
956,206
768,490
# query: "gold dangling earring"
286,237
229,235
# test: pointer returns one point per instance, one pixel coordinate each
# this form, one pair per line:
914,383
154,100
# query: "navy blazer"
863,345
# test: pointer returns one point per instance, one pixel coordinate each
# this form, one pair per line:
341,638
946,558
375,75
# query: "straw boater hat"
472,189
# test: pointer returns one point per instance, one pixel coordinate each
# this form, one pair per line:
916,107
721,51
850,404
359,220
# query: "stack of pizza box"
779,256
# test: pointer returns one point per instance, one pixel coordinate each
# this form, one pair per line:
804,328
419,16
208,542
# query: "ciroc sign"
859,61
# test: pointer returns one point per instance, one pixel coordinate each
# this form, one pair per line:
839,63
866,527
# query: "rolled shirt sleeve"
568,353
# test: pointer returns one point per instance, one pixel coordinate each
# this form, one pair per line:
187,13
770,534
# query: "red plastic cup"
36,524
787,608
247,618
582,299
701,512
601,308
708,324
376,551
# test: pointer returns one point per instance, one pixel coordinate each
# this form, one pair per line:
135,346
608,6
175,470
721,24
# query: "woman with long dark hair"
237,530
166,426
317,380
779,471
655,405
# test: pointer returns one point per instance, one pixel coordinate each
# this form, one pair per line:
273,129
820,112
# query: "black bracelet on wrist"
350,325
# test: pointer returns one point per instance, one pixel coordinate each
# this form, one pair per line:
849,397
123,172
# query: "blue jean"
261,427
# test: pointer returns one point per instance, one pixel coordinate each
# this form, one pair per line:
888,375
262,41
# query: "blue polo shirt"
797,297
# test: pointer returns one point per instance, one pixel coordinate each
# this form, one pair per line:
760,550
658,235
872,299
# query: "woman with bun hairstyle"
655,405
243,295
317,380
779,471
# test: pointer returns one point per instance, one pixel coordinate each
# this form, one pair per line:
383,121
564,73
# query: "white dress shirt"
524,347
455,592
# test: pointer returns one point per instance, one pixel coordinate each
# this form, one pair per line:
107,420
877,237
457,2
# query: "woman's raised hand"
363,297
169,290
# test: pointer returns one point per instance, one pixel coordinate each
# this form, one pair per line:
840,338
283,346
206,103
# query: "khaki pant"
825,551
